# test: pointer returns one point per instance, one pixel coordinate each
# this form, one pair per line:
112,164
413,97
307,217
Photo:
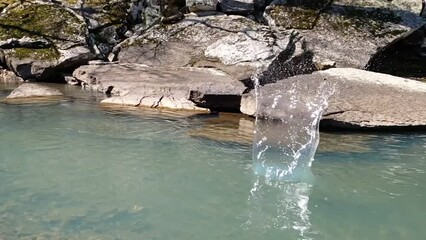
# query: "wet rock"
233,44
354,29
39,40
363,100
177,88
31,90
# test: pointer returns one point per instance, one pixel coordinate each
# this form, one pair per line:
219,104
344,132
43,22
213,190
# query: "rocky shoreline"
203,55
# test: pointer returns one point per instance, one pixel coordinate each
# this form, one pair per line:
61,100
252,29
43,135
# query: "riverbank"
207,58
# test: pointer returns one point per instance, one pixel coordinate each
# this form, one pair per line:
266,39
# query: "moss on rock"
5,3
352,19
45,54
109,11
41,21
299,14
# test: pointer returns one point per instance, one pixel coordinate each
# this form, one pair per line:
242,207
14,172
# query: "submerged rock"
38,40
363,100
177,88
32,90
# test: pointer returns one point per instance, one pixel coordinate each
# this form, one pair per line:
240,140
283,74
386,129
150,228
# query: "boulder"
39,40
405,56
355,30
32,90
235,45
7,76
361,99
177,88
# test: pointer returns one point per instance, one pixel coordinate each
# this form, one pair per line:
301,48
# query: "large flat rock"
176,88
362,99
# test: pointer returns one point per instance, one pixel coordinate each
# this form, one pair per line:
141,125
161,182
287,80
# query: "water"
74,170
287,130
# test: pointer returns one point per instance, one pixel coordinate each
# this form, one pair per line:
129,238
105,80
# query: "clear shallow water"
74,170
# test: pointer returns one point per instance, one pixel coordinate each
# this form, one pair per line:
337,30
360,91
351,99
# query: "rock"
354,29
201,5
177,88
40,40
300,14
233,44
363,100
248,103
405,56
31,90
236,6
7,76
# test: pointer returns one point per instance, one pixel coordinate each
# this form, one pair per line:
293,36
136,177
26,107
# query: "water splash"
287,128
276,206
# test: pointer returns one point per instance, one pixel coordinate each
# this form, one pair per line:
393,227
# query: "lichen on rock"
38,39
41,21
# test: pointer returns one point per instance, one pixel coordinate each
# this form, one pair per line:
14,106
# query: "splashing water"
287,128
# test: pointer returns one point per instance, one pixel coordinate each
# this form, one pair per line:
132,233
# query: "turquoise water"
71,169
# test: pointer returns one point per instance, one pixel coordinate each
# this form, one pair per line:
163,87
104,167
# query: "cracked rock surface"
176,88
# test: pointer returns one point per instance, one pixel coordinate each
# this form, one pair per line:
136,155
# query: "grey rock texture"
237,6
362,99
176,88
233,44
201,5
344,31
31,90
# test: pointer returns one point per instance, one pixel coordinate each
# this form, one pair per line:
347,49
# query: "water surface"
71,169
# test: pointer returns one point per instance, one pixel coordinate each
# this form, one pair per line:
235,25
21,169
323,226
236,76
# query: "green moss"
46,54
110,10
294,17
48,21
5,3
72,2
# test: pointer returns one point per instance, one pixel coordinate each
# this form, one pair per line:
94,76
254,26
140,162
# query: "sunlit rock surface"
177,88
7,76
233,44
346,32
363,100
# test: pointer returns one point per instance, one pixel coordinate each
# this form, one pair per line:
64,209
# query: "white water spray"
285,141
287,128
